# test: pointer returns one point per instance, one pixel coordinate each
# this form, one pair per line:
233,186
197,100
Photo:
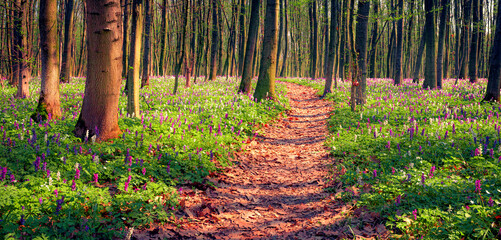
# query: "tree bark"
430,74
24,77
215,42
99,114
133,82
473,63
313,39
68,42
163,37
49,106
241,38
493,83
465,39
181,48
372,53
265,87
332,49
286,39
245,84
419,58
361,48
400,44
441,39
145,80
125,45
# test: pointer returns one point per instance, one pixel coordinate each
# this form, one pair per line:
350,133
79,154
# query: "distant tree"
215,42
48,102
163,37
181,46
441,40
493,83
399,75
99,114
332,49
313,38
473,63
361,49
286,38
145,80
265,87
133,82
68,42
23,48
430,72
245,84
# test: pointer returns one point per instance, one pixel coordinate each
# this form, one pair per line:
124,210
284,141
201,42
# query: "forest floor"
276,187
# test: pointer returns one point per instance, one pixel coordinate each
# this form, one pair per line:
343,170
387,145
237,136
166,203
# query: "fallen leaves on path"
276,188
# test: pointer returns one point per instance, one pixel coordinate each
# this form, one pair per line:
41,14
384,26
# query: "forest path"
275,190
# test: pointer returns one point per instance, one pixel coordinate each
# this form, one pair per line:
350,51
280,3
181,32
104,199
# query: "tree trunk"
133,83
313,39
493,83
286,39
280,35
466,39
419,58
145,80
245,84
68,42
241,38
400,44
181,48
124,38
372,57
332,48
99,114
163,37
265,87
473,63
430,74
49,106
441,39
215,42
23,90
361,49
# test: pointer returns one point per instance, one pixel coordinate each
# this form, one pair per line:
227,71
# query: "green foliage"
177,140
430,157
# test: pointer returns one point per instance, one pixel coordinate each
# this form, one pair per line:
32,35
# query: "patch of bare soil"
276,188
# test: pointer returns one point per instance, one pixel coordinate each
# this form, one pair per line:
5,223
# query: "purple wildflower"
22,221
59,204
73,185
56,192
423,178
126,186
392,171
478,185
414,212
40,200
375,173
77,173
477,152
96,177
398,199
491,202
144,171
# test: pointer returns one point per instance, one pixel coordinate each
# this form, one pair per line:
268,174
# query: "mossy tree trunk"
265,87
133,83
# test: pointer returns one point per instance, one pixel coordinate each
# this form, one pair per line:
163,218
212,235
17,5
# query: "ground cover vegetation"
428,161
59,186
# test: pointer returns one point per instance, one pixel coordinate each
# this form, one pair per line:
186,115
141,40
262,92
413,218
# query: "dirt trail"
276,189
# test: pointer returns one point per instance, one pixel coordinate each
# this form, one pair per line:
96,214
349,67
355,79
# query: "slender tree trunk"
280,35
286,38
409,52
430,74
99,114
241,38
163,37
493,83
332,49
48,102
313,39
245,84
133,82
399,76
372,53
473,63
124,38
466,38
215,42
419,58
181,48
68,42
441,39
145,80
361,49
23,90
445,74
265,87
